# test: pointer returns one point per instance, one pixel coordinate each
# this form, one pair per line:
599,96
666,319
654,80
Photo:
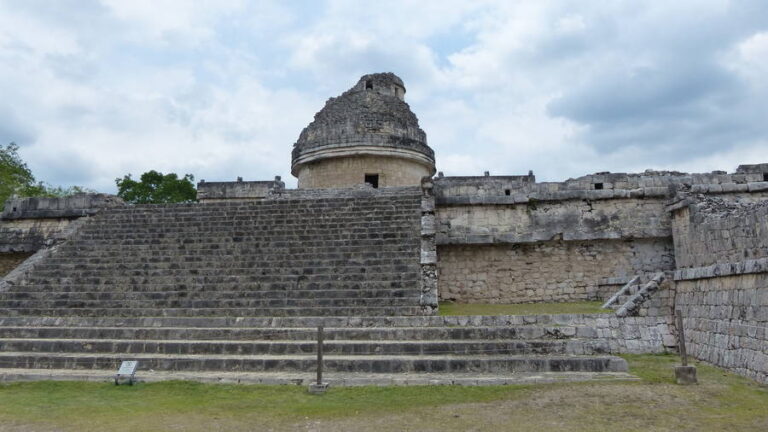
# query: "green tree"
16,179
156,188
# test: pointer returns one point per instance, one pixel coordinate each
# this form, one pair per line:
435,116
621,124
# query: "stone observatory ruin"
366,135
232,288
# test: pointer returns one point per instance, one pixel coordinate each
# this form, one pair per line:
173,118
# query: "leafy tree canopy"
16,179
157,188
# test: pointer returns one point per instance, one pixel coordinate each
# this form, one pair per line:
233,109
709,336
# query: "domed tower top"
368,134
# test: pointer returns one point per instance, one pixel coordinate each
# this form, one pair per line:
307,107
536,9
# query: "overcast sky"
93,90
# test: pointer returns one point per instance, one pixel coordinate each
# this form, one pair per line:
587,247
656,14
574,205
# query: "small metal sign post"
127,370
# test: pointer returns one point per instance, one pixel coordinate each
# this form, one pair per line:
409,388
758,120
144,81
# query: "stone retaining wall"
29,235
571,219
722,282
726,321
27,224
546,271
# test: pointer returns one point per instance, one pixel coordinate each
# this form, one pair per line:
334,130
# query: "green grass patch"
450,308
722,401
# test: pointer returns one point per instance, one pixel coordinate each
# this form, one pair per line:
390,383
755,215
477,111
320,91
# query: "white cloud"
222,89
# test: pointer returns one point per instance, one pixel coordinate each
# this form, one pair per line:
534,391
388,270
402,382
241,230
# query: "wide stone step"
567,322
213,312
290,301
371,267
343,379
290,280
290,347
201,237
346,223
205,286
332,363
297,333
245,255
201,294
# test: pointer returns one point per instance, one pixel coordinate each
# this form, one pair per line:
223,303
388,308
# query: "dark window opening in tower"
765,177
598,186
373,180
507,192
368,85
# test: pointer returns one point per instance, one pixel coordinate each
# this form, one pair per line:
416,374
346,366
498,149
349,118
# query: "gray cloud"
94,90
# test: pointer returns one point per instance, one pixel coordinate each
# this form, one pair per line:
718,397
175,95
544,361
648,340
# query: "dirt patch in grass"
721,402
449,308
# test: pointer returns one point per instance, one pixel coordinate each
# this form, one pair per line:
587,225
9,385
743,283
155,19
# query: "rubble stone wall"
544,271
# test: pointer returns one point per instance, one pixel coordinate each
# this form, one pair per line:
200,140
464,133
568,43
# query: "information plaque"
127,370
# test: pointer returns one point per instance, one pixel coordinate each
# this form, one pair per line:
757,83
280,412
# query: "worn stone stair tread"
298,341
288,357
435,333
561,321
333,378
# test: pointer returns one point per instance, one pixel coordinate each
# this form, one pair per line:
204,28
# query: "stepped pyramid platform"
234,292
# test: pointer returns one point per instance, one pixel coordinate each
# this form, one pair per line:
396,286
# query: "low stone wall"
546,271
9,261
74,206
210,192
28,224
726,319
630,335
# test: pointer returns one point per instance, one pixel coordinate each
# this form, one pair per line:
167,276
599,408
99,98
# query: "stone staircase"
235,291
332,256
259,347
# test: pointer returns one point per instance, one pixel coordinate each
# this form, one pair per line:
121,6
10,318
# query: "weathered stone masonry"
544,271
510,239
722,282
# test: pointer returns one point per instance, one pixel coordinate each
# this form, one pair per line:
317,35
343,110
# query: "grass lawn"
721,402
449,308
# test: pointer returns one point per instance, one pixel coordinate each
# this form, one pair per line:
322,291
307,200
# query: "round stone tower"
366,135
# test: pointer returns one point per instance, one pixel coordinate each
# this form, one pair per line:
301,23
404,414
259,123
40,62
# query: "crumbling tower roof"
370,118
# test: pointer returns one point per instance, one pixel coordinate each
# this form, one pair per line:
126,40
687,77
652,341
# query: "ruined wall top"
711,230
369,118
237,190
603,185
84,204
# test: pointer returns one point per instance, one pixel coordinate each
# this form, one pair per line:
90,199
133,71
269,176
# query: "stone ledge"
564,195
498,239
727,269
